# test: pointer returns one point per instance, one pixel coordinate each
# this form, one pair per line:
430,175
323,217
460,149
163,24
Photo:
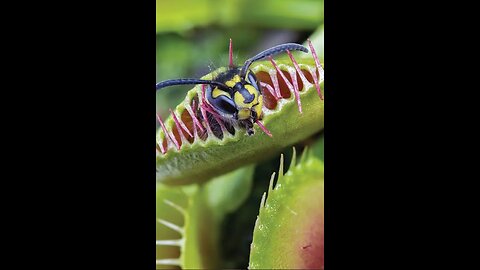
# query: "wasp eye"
252,79
225,105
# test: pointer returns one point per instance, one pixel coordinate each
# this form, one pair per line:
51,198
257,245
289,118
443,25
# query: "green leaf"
227,192
288,232
189,218
318,148
186,231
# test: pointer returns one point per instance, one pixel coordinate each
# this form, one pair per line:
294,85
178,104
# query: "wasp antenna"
270,52
167,83
230,54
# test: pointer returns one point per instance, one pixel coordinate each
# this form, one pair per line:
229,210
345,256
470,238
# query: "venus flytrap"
288,231
193,150
189,217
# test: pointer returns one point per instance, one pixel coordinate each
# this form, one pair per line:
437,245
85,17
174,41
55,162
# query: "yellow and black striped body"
242,100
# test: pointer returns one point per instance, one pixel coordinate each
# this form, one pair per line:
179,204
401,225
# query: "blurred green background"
192,40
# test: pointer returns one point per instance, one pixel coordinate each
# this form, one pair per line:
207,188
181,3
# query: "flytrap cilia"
235,97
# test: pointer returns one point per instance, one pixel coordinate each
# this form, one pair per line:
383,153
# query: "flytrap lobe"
296,201
205,136
181,217
189,219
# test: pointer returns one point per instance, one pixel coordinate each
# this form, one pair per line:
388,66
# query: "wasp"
235,94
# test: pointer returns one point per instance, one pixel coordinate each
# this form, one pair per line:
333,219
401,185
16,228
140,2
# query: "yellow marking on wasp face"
217,92
238,99
253,92
233,81
243,114
245,109
259,106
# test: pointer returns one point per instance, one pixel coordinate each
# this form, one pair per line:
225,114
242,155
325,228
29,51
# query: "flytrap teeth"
230,55
215,115
169,137
203,127
173,262
175,206
172,226
293,75
172,242
179,129
269,89
194,116
204,115
276,86
264,129
319,69
287,82
180,123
